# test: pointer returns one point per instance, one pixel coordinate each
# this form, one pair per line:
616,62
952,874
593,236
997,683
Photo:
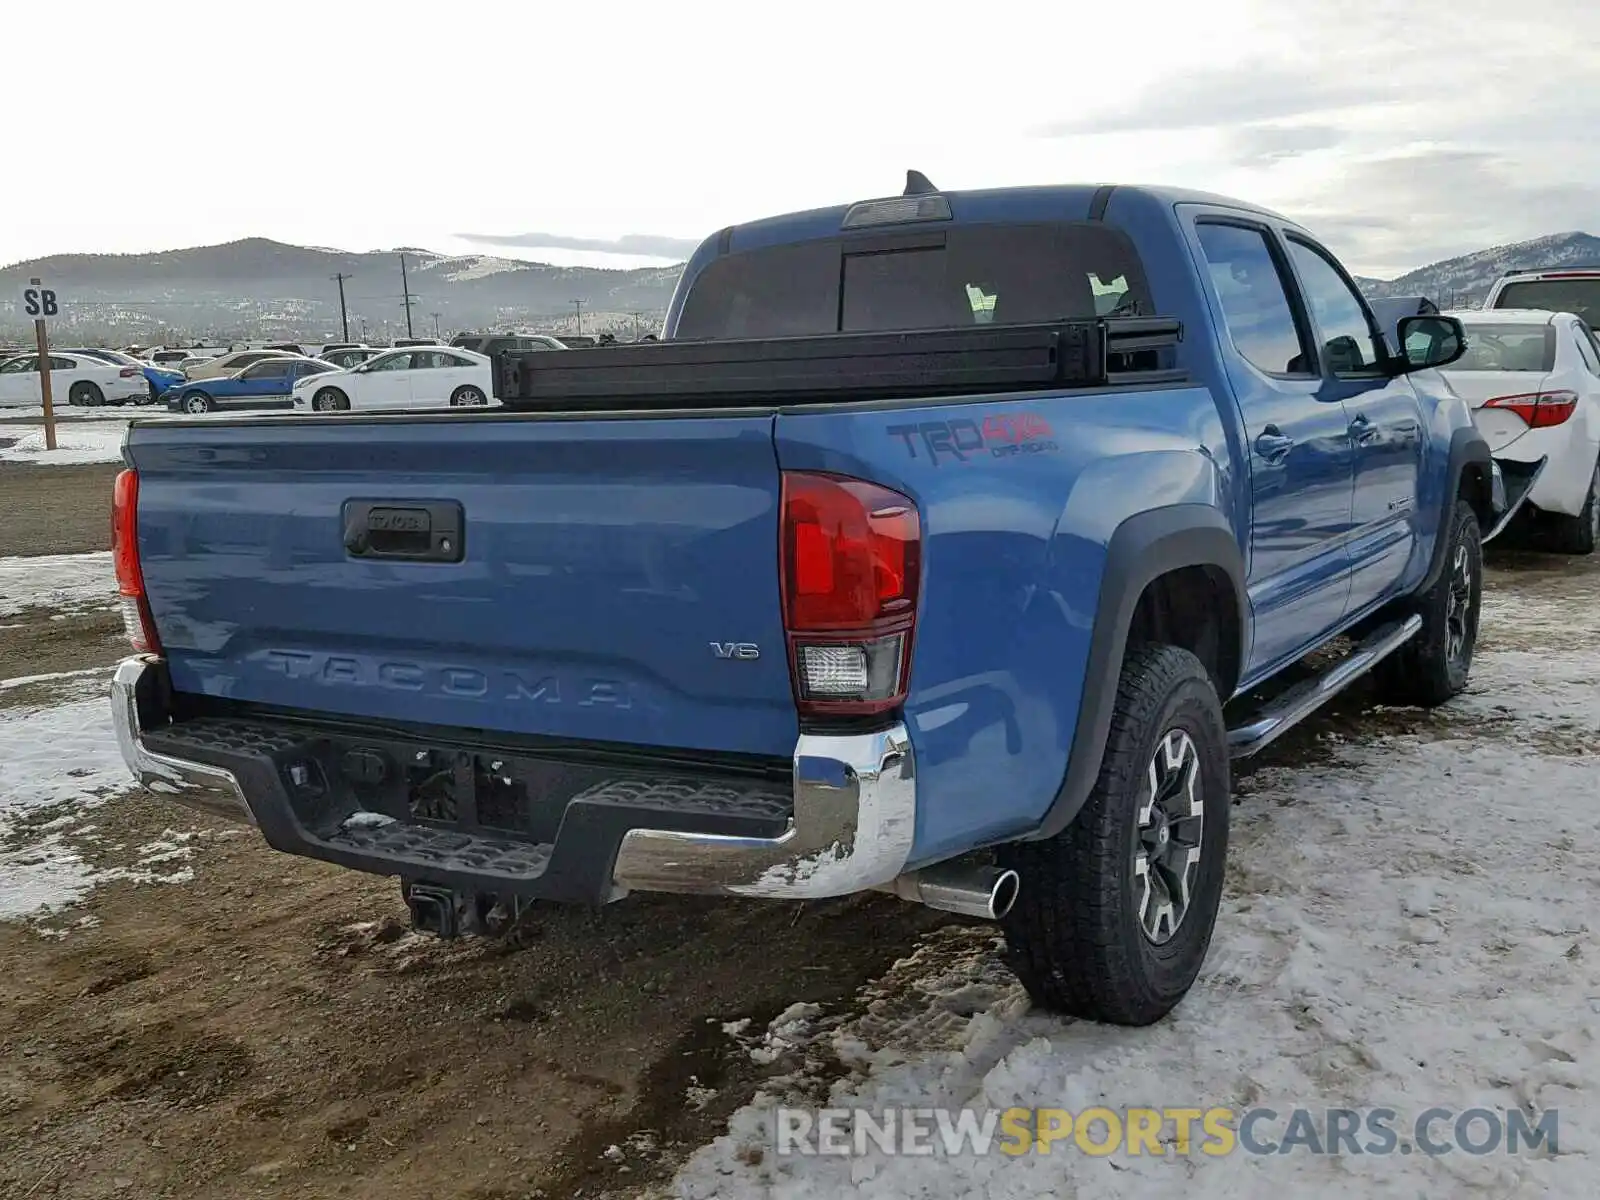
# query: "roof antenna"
918,184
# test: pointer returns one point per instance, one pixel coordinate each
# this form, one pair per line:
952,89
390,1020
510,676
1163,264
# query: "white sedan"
409,378
74,379
1533,381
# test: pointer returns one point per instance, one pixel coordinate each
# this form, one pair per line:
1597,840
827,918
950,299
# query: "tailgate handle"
404,530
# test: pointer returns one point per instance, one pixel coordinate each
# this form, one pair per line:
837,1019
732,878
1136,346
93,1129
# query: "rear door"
1386,423
1298,437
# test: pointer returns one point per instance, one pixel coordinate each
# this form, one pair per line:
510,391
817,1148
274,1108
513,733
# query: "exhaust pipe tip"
984,892
1003,894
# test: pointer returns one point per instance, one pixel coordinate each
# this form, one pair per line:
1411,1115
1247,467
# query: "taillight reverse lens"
1539,409
136,618
852,567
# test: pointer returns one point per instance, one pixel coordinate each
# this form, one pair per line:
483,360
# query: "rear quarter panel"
1020,496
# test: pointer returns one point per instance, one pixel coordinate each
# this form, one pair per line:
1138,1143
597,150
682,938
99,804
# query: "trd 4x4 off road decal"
997,435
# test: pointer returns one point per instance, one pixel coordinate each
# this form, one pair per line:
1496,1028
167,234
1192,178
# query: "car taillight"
129,372
136,618
1539,409
851,559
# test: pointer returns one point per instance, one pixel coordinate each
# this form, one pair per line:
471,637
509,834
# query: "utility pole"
344,320
406,297
435,317
637,317
578,304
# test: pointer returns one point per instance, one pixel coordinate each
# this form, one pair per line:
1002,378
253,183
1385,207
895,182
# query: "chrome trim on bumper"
197,785
855,810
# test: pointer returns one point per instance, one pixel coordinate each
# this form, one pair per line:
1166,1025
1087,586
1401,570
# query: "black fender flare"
1468,447
1143,548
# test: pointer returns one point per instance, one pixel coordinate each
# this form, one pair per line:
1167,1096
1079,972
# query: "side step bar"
1304,698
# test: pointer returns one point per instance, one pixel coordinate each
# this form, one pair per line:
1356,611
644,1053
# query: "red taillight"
852,564
1539,409
136,619
129,372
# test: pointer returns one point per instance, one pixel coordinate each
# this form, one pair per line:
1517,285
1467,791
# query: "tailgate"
613,574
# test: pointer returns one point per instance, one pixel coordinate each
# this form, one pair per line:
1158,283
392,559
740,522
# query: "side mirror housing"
1429,342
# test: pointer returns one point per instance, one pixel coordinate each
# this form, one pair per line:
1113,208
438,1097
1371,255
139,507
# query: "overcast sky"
563,131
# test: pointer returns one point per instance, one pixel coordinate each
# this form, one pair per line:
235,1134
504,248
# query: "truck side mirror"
1429,342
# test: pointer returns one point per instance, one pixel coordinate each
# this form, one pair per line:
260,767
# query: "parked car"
781,609
353,356
1533,381
324,350
170,357
425,341
402,379
74,379
491,344
236,360
1573,290
157,378
264,384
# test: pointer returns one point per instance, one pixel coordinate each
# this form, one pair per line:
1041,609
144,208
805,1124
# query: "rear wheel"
1433,666
197,402
468,397
1115,913
1579,534
330,399
86,394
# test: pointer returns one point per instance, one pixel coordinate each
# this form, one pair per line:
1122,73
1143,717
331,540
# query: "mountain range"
261,288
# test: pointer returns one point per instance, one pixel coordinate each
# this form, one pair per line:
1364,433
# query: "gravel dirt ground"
272,1028
54,510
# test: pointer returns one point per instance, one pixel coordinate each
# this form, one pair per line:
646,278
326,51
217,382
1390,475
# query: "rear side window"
1580,296
1254,298
1586,350
962,276
1508,348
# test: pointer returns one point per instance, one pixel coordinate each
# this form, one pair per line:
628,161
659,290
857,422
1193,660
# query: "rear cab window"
1580,295
959,276
1254,295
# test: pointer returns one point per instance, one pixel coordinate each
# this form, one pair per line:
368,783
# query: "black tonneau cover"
845,366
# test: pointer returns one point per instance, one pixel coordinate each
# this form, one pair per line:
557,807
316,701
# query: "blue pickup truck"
951,544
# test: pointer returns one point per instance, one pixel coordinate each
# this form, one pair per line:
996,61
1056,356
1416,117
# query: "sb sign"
40,303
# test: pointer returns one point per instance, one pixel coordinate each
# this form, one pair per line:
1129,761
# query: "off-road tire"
1433,667
1074,936
1576,535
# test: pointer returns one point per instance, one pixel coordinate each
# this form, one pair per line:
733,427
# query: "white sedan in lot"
1533,381
74,379
408,378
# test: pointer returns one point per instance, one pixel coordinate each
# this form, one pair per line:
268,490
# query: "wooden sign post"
41,303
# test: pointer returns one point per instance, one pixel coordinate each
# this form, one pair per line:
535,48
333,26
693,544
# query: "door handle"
1272,445
1363,430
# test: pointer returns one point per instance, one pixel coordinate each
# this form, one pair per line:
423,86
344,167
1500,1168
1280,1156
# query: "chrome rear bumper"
852,826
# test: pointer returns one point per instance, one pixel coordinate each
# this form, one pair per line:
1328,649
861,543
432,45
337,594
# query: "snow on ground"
80,442
56,766
65,415
1407,924
61,581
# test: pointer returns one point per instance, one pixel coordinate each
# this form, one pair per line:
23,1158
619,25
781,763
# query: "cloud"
645,244
1424,205
1246,93
1263,145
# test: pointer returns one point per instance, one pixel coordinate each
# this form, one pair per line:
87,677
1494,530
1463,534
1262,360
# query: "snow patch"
61,581
367,820
79,443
